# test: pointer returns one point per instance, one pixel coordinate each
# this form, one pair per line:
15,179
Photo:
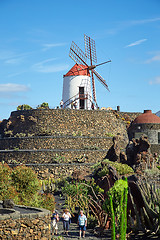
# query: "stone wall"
155,148
25,226
151,130
56,142
49,157
130,116
66,122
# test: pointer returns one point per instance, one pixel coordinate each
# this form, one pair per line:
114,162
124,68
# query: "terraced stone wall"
66,122
56,142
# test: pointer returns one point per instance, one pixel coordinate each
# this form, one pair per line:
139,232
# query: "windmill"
81,58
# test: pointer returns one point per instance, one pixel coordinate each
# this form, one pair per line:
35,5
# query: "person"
66,221
61,103
72,105
82,222
54,220
75,104
92,106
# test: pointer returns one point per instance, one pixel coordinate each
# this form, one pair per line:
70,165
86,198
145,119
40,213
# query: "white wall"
71,86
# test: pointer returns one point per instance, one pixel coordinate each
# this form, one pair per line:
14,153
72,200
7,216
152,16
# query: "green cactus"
148,217
118,197
113,225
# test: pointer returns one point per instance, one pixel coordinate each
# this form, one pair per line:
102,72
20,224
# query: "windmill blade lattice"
101,79
77,55
90,53
90,48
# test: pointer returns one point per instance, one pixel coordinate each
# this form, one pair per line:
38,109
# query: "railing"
79,96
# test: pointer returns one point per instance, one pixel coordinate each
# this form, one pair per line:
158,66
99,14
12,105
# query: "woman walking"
66,221
54,220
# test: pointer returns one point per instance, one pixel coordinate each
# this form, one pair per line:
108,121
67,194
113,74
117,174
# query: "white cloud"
15,74
10,57
153,59
136,43
14,61
121,25
48,68
156,81
144,21
48,46
13,87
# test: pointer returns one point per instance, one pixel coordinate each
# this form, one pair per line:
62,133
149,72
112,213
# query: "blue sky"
35,37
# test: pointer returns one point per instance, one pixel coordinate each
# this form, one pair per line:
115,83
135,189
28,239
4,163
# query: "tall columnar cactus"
125,208
118,197
121,228
123,213
113,225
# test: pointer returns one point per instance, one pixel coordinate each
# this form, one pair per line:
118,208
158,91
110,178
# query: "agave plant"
148,216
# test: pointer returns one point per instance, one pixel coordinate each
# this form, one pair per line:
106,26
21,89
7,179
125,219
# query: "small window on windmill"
159,138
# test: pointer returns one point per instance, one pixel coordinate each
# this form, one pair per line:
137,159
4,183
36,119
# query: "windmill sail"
90,53
101,79
77,55
90,48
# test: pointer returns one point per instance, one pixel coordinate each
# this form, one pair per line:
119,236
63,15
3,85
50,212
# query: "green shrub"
19,135
7,190
8,133
91,222
48,201
24,107
25,182
122,169
44,105
22,185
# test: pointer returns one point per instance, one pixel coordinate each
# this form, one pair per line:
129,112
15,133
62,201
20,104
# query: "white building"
77,88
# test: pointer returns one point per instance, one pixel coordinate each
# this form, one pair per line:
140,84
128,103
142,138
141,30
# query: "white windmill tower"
77,83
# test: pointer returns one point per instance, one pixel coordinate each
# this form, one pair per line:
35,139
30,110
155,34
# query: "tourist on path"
82,222
54,220
66,220
75,104
61,104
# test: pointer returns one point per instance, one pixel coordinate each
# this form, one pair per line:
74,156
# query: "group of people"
66,217
73,104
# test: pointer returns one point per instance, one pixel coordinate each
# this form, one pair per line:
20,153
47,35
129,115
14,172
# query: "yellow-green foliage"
7,190
22,185
116,206
44,105
122,169
24,107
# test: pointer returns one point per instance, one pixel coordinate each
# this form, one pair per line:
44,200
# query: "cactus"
125,209
118,197
121,230
148,217
113,225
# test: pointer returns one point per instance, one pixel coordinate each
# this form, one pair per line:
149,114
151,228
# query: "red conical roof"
147,117
78,70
